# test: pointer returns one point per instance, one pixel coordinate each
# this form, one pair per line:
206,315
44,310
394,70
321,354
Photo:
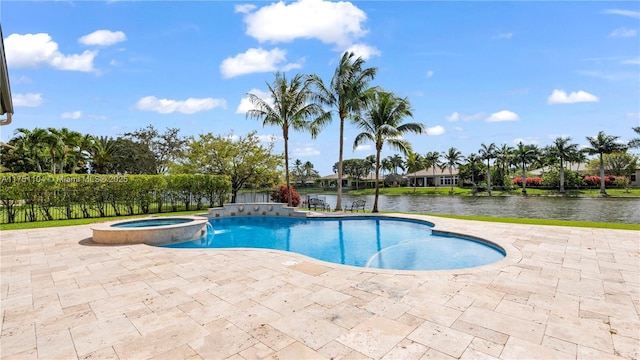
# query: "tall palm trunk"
286,166
488,177
524,179
562,191
339,198
377,192
603,192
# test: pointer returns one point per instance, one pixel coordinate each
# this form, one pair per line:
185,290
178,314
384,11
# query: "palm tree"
382,123
432,159
563,150
347,94
473,161
488,153
293,107
503,158
526,154
30,143
415,163
309,171
55,144
396,162
603,144
102,152
70,152
452,159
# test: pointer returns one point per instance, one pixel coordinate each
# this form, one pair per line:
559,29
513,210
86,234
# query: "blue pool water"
151,222
366,242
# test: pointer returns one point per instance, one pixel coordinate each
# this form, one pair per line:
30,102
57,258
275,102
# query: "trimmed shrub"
281,195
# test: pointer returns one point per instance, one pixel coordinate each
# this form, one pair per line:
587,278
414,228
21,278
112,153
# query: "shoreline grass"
548,222
526,221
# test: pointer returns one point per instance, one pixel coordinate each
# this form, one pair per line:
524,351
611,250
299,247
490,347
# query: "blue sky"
475,72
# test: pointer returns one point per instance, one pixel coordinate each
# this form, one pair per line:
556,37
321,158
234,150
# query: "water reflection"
616,210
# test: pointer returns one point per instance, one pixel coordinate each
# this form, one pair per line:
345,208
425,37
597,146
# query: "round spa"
151,231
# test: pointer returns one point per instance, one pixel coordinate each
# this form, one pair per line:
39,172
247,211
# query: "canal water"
616,210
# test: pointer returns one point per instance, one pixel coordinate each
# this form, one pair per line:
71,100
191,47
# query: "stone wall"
255,209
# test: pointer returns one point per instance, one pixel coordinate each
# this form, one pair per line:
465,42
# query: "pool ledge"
106,233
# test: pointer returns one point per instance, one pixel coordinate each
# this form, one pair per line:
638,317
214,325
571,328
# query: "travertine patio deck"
568,293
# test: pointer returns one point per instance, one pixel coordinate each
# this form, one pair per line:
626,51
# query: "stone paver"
561,293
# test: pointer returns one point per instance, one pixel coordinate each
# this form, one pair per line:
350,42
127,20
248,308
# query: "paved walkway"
565,293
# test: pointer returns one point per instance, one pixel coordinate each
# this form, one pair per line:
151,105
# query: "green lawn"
57,223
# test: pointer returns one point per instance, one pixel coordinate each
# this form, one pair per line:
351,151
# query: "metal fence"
62,206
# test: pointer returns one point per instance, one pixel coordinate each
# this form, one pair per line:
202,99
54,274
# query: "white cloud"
245,105
504,115
189,106
623,33
268,138
504,36
27,100
633,115
429,74
559,96
34,50
365,147
436,130
610,76
455,116
103,38
630,13
337,23
254,61
71,115
306,151
364,51
635,61
244,8
458,128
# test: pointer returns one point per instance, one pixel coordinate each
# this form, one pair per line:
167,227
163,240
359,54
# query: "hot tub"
151,231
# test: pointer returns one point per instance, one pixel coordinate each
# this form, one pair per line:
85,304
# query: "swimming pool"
385,243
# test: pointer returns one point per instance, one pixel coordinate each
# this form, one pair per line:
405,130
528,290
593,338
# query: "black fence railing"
62,205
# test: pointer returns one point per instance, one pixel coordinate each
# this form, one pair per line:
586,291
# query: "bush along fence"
29,197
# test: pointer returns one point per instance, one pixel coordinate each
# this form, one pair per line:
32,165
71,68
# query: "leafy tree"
347,95
603,144
245,161
452,159
293,108
355,169
166,147
635,142
621,164
563,150
488,152
382,123
525,155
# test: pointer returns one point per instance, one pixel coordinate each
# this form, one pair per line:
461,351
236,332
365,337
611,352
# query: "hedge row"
38,193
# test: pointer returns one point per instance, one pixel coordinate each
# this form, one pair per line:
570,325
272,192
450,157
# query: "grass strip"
72,222
552,222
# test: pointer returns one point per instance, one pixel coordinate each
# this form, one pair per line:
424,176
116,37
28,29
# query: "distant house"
331,181
431,177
